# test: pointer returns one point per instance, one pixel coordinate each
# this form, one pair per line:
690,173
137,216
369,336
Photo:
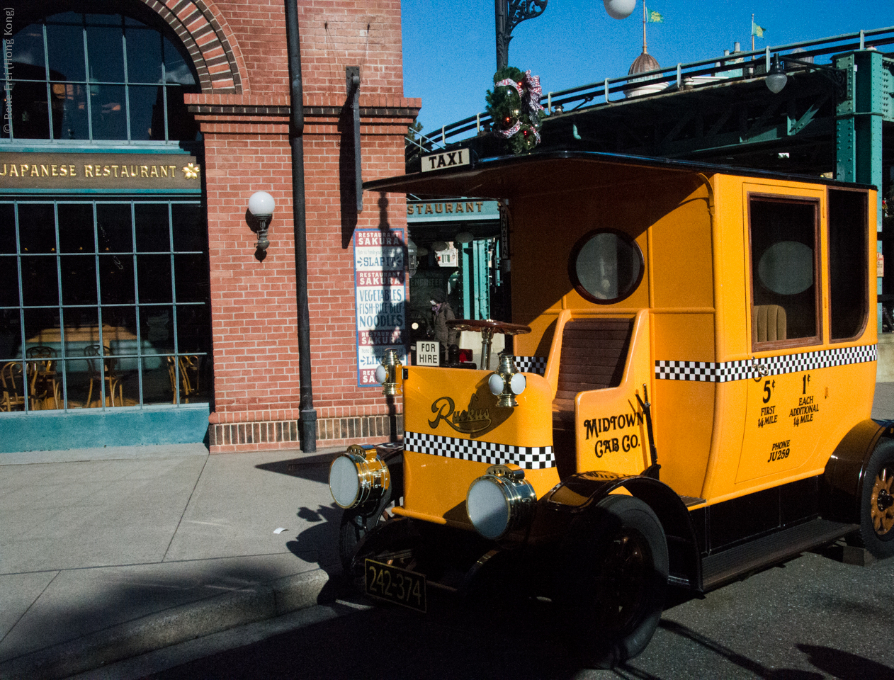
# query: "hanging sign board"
380,262
448,159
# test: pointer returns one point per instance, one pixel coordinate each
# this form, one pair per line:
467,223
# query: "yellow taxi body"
748,318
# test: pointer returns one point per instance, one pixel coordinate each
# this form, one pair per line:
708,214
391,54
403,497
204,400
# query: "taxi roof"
552,171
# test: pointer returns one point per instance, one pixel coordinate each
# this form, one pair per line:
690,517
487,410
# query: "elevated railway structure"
834,117
830,118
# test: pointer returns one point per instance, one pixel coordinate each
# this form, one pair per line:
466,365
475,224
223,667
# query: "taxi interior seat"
771,323
593,355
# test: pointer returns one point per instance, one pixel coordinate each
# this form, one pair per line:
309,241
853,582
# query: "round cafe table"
487,328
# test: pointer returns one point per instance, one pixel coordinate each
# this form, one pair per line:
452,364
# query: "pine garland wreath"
514,108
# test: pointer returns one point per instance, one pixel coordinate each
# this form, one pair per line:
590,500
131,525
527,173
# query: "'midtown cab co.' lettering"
600,426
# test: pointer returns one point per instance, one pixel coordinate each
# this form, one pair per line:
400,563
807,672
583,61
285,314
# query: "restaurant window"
96,77
784,272
103,304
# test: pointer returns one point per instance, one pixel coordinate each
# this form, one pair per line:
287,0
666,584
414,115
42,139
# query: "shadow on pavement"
734,657
110,597
845,665
314,468
389,643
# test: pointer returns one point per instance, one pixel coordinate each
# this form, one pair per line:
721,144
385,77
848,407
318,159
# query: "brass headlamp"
500,501
358,477
388,371
507,383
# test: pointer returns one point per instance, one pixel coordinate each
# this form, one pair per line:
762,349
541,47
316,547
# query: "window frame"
865,269
818,282
8,79
575,253
176,305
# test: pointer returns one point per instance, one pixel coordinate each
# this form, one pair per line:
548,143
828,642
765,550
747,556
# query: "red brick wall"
254,309
334,34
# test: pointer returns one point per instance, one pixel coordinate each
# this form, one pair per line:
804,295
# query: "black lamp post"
510,13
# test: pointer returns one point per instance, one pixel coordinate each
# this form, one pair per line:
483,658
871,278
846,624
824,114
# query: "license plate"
397,585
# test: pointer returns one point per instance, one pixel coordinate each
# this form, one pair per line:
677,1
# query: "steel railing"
735,66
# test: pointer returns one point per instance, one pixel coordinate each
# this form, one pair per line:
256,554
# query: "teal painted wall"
59,431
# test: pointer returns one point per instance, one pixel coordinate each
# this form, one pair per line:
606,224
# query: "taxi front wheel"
354,527
613,579
877,502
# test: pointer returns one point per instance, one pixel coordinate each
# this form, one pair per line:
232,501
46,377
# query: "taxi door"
785,391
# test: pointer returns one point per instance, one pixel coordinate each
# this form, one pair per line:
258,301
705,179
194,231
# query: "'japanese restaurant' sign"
99,171
381,298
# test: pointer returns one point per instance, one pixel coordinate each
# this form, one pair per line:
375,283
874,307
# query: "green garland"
506,109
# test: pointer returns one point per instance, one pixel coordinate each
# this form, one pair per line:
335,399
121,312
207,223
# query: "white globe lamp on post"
619,9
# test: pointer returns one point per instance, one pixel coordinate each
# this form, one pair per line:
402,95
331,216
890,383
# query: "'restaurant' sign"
99,171
381,297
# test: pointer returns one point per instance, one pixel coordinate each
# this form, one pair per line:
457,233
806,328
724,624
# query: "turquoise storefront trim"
60,430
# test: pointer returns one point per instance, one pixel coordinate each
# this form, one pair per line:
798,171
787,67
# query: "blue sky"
450,54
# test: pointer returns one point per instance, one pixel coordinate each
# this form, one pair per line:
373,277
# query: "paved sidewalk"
110,553
106,554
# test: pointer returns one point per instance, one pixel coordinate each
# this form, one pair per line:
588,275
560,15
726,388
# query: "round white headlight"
499,501
344,481
488,508
518,384
381,374
358,477
495,384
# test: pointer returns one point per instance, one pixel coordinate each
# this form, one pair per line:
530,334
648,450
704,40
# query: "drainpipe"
308,419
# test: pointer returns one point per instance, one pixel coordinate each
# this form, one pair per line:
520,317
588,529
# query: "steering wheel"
487,328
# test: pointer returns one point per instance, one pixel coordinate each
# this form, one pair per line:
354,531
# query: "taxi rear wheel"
613,580
877,502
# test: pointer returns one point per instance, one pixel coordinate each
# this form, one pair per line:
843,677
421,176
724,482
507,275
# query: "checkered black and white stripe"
728,371
526,457
531,365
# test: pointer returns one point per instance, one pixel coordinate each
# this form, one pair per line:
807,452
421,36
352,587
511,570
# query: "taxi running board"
730,564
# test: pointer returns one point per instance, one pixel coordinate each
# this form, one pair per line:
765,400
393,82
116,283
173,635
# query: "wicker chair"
13,385
93,352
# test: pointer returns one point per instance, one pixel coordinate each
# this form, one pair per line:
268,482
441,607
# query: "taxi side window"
848,268
784,272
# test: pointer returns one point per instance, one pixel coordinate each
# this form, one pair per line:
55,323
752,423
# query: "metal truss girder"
731,141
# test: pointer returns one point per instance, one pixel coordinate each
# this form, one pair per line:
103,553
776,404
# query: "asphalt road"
814,617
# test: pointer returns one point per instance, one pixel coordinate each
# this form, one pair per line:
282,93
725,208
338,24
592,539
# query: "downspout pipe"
308,415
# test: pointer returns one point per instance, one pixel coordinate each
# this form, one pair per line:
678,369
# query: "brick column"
254,313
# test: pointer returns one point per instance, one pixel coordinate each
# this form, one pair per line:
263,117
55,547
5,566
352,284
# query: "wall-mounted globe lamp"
463,237
261,206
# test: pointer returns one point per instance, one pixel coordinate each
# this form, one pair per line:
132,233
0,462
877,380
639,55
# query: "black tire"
353,528
877,502
613,580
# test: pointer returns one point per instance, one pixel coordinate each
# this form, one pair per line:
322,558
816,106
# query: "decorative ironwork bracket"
509,14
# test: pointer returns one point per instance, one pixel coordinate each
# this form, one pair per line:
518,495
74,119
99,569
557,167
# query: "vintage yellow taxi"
685,396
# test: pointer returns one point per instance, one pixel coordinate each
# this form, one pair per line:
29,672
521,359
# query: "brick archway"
209,42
